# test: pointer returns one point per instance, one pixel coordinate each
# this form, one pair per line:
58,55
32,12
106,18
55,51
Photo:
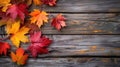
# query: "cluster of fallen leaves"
19,23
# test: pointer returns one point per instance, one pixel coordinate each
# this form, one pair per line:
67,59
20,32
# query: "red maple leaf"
58,22
39,44
49,2
17,10
4,46
2,14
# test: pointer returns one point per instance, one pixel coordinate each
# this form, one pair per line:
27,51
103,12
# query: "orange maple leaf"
38,17
19,57
37,2
41,2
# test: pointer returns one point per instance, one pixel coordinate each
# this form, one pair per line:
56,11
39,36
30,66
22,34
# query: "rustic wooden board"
81,45
88,24
83,6
85,24
83,17
65,62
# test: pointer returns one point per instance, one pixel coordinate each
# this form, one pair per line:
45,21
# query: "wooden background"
91,38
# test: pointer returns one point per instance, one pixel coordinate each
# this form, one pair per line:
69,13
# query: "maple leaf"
33,27
39,44
29,2
38,17
18,1
17,10
49,2
5,21
4,4
4,46
19,57
58,22
2,14
37,2
17,33
2,22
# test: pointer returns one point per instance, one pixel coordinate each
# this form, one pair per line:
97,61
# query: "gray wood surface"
81,45
95,43
85,24
83,6
64,62
88,24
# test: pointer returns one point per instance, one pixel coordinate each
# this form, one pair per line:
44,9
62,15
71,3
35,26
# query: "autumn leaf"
29,2
2,14
2,22
5,21
17,10
37,2
3,18
39,44
38,17
17,33
33,27
19,57
4,4
58,22
49,2
4,46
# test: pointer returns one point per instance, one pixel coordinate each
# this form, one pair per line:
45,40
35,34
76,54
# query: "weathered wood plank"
83,6
88,24
2,30
81,45
64,62
85,24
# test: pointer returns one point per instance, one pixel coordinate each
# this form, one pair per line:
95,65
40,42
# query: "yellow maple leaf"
4,4
17,33
38,17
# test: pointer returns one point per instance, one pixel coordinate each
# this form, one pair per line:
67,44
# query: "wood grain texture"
88,24
65,62
83,6
85,24
79,50
2,30
81,45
